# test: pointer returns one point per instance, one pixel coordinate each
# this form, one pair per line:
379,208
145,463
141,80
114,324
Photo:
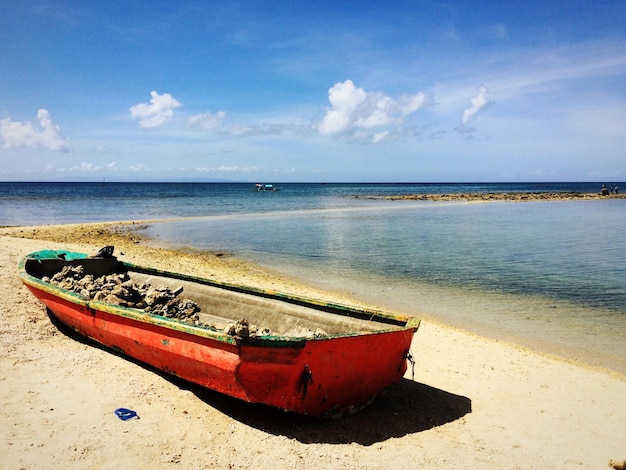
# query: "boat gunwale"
402,322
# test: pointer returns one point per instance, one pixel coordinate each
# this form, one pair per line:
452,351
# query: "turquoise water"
550,275
563,250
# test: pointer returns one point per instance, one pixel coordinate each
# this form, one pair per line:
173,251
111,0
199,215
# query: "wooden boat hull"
327,376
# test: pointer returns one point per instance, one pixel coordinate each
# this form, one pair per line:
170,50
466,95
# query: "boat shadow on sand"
408,408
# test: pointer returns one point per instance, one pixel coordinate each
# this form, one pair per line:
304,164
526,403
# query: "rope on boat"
409,358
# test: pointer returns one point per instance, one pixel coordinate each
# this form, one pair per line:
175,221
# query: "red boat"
296,354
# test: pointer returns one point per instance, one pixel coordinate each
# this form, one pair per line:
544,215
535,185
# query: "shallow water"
553,249
550,275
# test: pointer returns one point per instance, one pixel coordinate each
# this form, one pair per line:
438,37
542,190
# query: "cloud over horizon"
478,103
206,121
157,112
23,134
355,112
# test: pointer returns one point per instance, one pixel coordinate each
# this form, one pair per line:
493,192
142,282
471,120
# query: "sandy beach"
474,402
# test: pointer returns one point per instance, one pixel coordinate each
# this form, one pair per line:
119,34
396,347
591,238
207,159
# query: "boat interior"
222,305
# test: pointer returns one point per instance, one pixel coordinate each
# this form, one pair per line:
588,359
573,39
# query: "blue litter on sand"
125,414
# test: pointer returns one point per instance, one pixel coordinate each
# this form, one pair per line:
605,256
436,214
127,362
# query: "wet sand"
473,402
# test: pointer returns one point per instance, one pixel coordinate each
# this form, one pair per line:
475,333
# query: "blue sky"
406,91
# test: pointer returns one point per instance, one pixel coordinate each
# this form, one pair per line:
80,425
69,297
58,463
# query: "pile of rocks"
244,329
510,197
119,289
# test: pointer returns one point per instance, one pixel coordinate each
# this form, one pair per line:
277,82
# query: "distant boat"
307,356
266,187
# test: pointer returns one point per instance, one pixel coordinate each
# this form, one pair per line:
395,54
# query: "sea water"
53,203
548,274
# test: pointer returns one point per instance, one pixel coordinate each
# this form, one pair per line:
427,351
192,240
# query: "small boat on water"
292,353
266,187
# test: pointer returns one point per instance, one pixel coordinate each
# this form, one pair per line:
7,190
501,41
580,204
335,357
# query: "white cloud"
238,131
86,167
263,129
24,134
355,112
206,121
345,100
479,102
157,112
380,137
140,167
236,168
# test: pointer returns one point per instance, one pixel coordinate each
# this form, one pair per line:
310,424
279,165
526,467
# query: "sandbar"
510,197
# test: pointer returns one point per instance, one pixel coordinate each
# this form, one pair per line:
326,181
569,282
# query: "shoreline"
57,390
134,246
